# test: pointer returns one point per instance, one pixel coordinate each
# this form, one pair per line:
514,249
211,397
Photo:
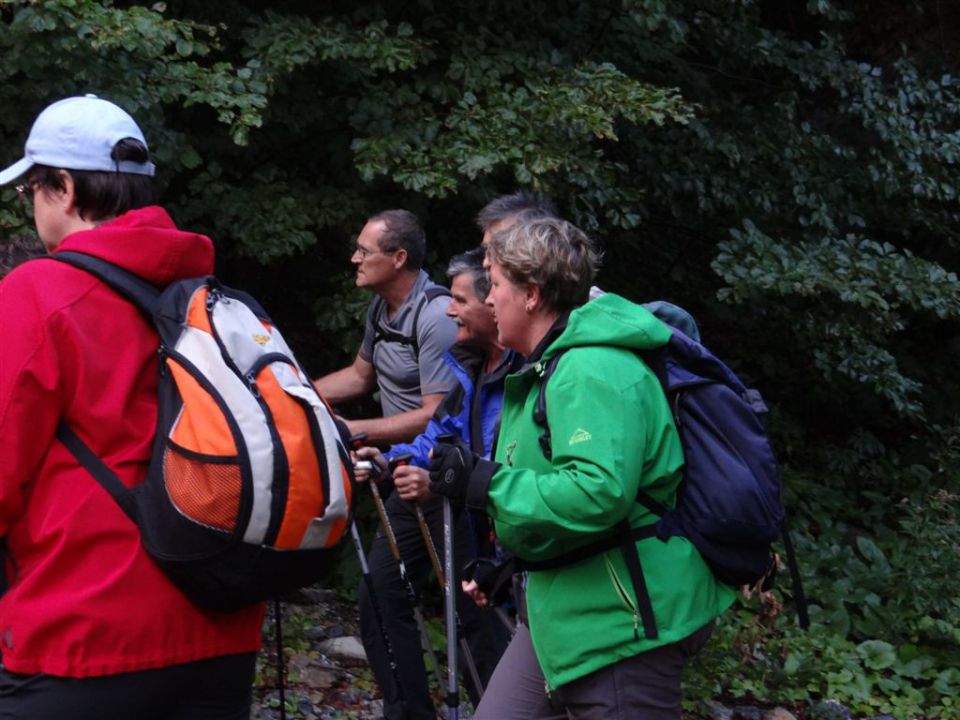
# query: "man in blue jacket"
471,411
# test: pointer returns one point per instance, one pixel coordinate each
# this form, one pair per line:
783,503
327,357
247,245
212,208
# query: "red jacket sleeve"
30,388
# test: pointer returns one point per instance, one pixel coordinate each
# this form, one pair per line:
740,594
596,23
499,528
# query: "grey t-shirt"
402,379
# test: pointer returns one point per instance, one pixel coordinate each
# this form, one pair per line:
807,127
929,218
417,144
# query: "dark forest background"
786,170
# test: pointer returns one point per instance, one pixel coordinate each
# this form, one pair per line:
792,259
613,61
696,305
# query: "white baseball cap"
79,133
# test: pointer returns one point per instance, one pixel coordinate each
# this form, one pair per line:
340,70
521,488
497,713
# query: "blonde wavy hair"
550,253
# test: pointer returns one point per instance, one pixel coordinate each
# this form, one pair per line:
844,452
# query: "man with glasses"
407,332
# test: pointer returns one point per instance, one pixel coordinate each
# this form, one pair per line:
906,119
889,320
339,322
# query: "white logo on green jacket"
580,436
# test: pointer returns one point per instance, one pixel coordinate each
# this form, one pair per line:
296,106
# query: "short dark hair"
403,230
17,250
471,262
102,195
506,206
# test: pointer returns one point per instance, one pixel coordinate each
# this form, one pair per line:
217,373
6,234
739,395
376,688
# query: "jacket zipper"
624,596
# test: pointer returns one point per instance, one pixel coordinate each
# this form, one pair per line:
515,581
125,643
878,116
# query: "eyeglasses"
25,193
364,253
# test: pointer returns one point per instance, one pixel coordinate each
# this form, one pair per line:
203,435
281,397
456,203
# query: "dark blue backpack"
729,502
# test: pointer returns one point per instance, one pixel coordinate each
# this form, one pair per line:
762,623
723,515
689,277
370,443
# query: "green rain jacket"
612,433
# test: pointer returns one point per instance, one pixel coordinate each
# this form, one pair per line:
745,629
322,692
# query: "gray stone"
299,662
306,708
829,710
317,634
343,648
747,712
318,677
779,713
718,711
335,631
349,697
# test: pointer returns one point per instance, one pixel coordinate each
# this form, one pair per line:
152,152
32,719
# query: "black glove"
459,474
493,577
450,466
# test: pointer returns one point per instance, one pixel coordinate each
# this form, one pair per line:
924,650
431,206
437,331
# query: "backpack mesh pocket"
204,489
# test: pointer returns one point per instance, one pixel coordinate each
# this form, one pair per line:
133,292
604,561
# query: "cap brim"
15,171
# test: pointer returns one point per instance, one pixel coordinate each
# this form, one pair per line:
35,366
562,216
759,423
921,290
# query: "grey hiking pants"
643,687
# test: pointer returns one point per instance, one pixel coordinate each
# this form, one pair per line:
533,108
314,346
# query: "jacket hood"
611,320
147,243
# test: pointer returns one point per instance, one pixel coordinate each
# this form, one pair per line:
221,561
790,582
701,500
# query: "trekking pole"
455,629
799,598
453,622
377,615
355,442
281,669
509,624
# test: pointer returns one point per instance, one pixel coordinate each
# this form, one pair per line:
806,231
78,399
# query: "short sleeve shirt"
402,377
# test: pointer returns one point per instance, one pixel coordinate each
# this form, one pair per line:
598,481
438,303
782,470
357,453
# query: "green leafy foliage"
786,171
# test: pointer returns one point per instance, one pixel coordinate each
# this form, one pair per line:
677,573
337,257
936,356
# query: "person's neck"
397,291
493,354
72,225
540,324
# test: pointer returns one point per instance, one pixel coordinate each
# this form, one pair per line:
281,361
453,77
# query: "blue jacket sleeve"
421,445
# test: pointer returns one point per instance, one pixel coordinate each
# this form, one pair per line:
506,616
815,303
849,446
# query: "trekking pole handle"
400,460
357,442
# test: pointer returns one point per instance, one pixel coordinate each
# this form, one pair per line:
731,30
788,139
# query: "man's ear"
400,259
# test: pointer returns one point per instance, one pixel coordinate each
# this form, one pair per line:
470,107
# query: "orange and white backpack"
250,483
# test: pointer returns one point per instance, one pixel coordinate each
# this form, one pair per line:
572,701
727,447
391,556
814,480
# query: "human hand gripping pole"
453,624
356,442
371,591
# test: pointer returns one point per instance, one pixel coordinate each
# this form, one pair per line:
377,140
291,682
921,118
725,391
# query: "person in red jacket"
90,627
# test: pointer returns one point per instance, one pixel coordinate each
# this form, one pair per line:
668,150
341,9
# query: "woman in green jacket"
611,433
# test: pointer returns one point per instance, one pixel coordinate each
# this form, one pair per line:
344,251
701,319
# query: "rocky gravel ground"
328,677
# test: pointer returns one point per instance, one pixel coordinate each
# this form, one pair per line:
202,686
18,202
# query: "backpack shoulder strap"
622,535
96,467
379,331
146,298
540,409
132,287
382,333
429,295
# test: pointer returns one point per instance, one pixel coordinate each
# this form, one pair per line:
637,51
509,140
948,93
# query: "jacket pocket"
624,594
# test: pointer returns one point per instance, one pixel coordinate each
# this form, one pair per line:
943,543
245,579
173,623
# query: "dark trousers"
214,689
485,634
642,687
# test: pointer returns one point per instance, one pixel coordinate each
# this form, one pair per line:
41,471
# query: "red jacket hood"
147,243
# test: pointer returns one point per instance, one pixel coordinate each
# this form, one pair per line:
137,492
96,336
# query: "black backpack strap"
132,287
429,295
651,503
373,317
388,335
625,538
96,467
631,558
540,409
